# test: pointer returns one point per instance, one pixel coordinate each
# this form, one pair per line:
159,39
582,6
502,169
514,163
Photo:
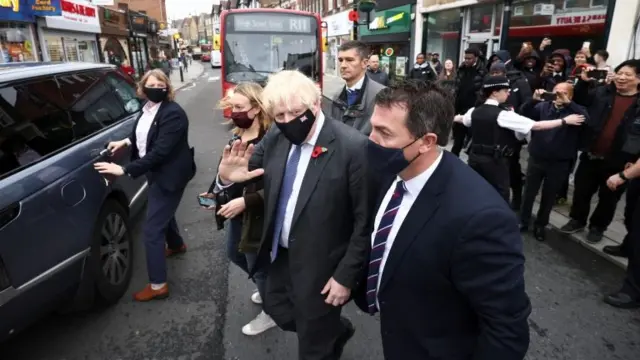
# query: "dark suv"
65,237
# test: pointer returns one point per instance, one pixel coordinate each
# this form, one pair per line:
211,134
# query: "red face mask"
241,119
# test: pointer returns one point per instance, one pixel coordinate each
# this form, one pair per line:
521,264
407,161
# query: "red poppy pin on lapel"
317,151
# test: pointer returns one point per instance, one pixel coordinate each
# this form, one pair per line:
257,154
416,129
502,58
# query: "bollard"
181,75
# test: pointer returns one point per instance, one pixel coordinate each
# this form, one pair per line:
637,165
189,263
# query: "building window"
16,43
329,5
442,34
518,11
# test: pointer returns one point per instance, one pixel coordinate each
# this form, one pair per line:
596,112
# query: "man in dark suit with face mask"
446,265
315,237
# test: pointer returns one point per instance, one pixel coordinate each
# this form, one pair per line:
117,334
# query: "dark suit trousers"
494,170
633,195
591,177
317,333
160,228
552,173
460,133
631,284
515,173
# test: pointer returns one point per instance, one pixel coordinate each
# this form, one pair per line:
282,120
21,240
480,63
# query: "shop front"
450,26
152,39
114,39
164,40
72,35
389,36
138,48
338,32
17,29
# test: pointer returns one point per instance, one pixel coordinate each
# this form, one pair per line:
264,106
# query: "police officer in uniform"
496,131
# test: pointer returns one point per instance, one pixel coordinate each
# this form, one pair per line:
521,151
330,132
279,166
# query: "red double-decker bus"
259,42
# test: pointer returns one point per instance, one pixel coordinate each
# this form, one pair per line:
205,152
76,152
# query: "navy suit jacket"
168,161
453,284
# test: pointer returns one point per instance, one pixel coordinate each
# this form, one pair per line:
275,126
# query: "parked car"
65,232
216,59
206,57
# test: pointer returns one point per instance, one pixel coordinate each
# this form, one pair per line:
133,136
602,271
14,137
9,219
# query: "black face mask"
241,119
388,160
156,95
297,129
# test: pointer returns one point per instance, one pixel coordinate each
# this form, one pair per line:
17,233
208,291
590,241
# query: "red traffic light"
353,16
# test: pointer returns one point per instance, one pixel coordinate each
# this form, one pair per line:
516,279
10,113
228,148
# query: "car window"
33,123
91,103
124,89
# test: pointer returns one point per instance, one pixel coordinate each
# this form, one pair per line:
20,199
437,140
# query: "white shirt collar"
358,85
151,107
415,185
319,124
492,102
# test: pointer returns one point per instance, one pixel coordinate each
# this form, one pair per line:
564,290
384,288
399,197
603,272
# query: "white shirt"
506,119
413,188
149,112
356,86
305,157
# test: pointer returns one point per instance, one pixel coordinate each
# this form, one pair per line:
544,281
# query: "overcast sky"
178,9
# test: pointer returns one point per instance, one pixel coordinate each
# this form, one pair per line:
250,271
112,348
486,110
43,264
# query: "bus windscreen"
258,44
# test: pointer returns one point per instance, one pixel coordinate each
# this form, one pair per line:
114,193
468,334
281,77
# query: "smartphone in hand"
549,96
206,201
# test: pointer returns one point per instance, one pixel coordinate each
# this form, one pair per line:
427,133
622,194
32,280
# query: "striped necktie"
379,242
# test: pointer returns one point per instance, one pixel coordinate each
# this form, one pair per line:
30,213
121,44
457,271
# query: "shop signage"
113,22
377,23
388,52
391,21
138,23
76,15
580,18
338,24
26,10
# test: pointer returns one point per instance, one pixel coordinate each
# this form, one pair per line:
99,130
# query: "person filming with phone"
551,153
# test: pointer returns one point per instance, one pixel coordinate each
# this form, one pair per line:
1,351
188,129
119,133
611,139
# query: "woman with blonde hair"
160,151
242,205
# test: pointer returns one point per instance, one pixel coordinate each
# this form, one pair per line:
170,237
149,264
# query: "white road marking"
213,78
186,88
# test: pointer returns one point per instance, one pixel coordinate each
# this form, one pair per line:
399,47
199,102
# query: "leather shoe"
622,300
540,233
148,293
171,252
345,337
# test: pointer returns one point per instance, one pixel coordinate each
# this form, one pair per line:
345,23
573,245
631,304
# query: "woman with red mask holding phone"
241,206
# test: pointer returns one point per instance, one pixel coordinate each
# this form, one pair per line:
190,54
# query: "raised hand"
234,167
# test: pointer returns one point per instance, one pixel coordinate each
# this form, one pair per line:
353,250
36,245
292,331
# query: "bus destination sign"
272,23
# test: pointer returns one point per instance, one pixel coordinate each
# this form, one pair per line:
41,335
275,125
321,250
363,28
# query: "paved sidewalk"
560,214
195,69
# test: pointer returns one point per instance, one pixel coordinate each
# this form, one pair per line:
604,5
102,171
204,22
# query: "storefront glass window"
480,18
87,51
16,43
442,34
71,49
568,23
54,48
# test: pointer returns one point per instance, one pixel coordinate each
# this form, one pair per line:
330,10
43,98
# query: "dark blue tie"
352,97
286,188
379,242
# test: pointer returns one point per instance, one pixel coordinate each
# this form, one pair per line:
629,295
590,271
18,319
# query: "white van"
216,59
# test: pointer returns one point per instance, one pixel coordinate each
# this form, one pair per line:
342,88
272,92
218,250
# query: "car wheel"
112,253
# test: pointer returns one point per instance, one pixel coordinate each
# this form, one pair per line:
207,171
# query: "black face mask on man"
297,129
389,160
156,95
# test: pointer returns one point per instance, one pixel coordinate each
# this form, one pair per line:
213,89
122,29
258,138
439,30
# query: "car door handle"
8,214
101,153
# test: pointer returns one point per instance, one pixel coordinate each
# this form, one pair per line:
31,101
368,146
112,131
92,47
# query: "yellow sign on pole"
216,42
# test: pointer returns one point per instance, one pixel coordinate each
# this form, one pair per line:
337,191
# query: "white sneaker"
260,324
256,298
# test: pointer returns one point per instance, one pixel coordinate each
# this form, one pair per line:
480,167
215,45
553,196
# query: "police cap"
495,83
